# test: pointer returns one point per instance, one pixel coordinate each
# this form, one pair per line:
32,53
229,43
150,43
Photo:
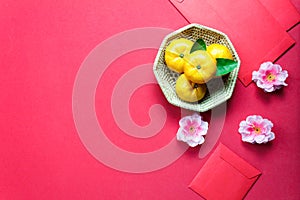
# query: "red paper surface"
225,175
238,19
41,155
283,11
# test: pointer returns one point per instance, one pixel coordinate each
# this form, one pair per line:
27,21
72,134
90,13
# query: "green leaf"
224,66
198,45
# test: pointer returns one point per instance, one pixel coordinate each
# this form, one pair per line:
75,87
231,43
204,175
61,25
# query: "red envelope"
224,176
255,40
283,11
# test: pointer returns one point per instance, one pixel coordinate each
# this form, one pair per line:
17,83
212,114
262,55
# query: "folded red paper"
224,176
283,11
255,40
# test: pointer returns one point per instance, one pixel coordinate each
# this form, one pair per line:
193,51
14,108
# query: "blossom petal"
265,65
183,121
255,75
192,143
204,126
198,139
282,75
259,139
272,136
253,118
271,89
244,128
180,135
277,68
248,138
196,116
201,141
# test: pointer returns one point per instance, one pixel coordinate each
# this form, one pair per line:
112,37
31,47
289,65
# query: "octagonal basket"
219,89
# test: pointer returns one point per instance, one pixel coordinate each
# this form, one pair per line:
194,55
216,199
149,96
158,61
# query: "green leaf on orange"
225,66
198,45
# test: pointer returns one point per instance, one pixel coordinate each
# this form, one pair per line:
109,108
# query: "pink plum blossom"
255,129
192,129
270,77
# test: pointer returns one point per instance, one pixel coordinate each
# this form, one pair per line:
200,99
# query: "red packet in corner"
224,176
283,11
255,33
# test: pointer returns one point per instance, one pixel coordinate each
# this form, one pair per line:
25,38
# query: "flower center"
192,129
181,55
257,130
271,77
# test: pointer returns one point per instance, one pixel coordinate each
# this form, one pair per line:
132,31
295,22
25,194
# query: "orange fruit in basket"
188,91
176,52
200,67
219,51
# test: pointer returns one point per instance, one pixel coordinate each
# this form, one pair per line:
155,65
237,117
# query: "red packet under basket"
224,176
255,40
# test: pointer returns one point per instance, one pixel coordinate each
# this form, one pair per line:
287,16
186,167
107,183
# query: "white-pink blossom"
270,77
192,129
256,129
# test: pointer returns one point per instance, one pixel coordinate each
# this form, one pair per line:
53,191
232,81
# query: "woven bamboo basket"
219,89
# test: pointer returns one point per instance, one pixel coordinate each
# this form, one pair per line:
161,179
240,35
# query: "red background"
42,45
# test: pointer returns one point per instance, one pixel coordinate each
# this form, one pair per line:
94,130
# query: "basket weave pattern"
219,89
